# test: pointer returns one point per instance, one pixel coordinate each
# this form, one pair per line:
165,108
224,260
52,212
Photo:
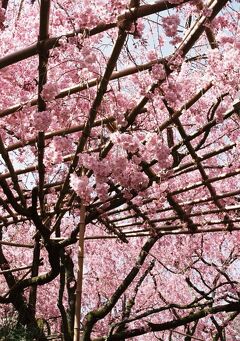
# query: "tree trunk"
78,300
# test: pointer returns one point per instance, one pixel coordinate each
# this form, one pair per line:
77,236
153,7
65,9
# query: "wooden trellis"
124,218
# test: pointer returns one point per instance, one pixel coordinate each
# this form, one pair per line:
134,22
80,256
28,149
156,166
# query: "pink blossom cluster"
223,67
221,22
101,168
156,149
88,55
163,155
151,54
128,174
102,171
158,72
220,113
118,169
148,148
170,25
207,12
42,120
128,142
82,187
62,144
102,191
58,147
50,90
173,91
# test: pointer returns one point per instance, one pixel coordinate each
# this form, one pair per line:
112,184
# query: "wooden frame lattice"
42,48
118,217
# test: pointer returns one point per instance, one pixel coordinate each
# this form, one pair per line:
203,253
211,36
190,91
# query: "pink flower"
207,12
163,153
158,72
42,120
151,55
82,187
170,25
50,90
102,191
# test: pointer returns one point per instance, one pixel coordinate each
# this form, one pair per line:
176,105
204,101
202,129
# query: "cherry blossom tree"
119,185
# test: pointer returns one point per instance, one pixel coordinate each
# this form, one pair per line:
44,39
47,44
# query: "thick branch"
100,313
154,327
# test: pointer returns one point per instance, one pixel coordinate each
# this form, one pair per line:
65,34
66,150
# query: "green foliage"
10,330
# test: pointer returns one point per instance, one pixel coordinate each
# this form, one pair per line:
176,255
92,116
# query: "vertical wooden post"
78,299
42,78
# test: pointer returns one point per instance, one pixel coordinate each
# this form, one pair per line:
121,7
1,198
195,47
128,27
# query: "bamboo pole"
177,231
30,246
43,55
15,269
78,300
